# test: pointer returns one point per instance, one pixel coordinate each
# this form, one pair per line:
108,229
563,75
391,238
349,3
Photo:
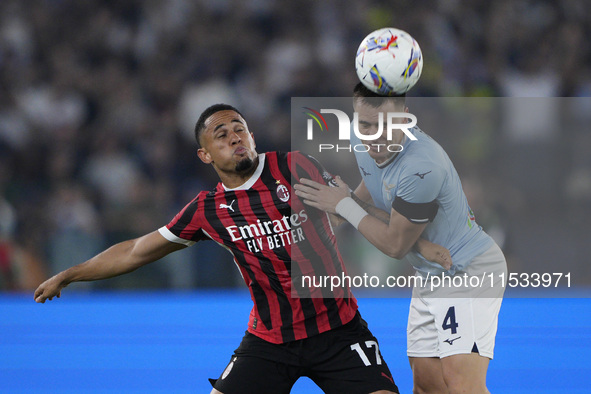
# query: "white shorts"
444,326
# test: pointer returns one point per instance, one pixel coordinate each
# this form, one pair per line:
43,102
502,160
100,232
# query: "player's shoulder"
305,159
294,154
198,202
279,158
298,158
304,165
423,143
421,166
206,194
424,148
286,155
424,156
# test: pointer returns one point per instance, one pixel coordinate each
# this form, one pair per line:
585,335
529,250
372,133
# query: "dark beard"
245,165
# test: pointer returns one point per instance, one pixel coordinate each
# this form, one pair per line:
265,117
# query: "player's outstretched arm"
119,259
430,251
395,238
390,232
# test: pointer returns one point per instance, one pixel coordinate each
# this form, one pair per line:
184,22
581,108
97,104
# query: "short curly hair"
200,125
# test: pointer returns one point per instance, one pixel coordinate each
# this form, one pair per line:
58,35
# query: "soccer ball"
389,61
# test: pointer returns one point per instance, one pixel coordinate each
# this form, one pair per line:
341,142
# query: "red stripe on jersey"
322,321
299,159
260,276
184,224
280,317
329,261
242,255
296,159
187,230
298,317
298,313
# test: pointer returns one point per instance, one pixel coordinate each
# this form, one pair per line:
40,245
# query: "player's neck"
384,162
234,179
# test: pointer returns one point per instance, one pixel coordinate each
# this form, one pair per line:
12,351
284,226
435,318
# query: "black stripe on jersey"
305,299
307,168
185,219
260,298
286,311
326,176
307,303
283,165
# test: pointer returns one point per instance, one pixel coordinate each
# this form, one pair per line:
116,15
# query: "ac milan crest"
282,192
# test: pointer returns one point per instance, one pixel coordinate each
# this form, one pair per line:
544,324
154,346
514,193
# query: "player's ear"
204,156
254,145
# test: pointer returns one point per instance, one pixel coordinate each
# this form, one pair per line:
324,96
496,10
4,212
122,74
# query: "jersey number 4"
449,323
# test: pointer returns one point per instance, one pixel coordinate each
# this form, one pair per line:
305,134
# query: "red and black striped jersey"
275,241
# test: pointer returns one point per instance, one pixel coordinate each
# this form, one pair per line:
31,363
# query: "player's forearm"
377,213
388,241
362,193
119,259
122,258
421,246
335,220
379,235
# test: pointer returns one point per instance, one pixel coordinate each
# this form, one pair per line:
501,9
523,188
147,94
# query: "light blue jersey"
421,173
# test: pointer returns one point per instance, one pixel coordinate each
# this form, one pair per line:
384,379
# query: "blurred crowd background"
98,99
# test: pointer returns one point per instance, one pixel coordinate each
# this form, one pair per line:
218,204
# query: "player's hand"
322,196
52,287
434,253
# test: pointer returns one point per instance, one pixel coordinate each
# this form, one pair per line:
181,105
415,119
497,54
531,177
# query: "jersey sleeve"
417,191
307,166
185,228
